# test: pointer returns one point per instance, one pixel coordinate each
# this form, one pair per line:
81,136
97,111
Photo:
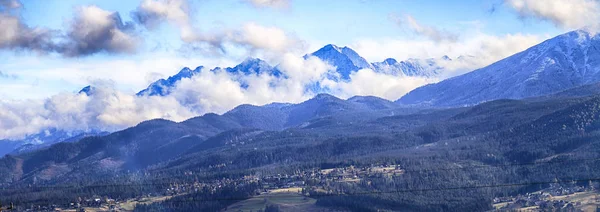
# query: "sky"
49,50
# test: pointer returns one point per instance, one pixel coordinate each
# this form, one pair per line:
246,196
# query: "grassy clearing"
288,199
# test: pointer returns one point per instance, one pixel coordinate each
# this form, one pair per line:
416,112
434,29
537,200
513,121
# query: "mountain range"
344,59
560,63
438,148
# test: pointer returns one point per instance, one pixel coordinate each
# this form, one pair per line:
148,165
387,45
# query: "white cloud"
248,39
268,38
96,30
250,36
478,50
105,109
15,34
92,30
429,32
210,91
219,91
61,74
9,4
152,13
110,109
278,4
568,14
367,82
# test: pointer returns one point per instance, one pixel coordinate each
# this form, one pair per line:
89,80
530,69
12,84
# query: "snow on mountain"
249,66
254,66
410,67
344,59
162,86
566,61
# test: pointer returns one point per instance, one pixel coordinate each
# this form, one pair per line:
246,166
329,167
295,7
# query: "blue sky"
336,21
316,23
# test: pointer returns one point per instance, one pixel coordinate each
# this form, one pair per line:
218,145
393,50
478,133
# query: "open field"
586,201
288,199
129,205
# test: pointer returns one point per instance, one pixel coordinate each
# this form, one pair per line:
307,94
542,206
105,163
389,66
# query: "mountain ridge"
565,61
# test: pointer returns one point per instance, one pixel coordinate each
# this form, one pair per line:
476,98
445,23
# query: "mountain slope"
281,116
584,90
373,102
156,141
563,62
44,139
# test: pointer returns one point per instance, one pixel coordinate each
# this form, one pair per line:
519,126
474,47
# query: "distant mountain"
162,86
281,115
254,66
43,139
566,61
249,66
87,90
344,59
347,61
411,67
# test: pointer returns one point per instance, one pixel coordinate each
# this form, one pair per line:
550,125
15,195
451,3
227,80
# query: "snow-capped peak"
390,61
87,90
162,87
344,59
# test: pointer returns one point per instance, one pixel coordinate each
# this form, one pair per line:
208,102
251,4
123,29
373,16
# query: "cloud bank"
108,109
96,30
251,36
468,54
568,14
92,30
277,4
16,35
429,32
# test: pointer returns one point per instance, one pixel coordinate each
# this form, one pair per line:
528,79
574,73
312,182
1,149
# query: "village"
555,198
298,183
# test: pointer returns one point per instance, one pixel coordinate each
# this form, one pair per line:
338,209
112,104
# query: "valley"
474,142
342,160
